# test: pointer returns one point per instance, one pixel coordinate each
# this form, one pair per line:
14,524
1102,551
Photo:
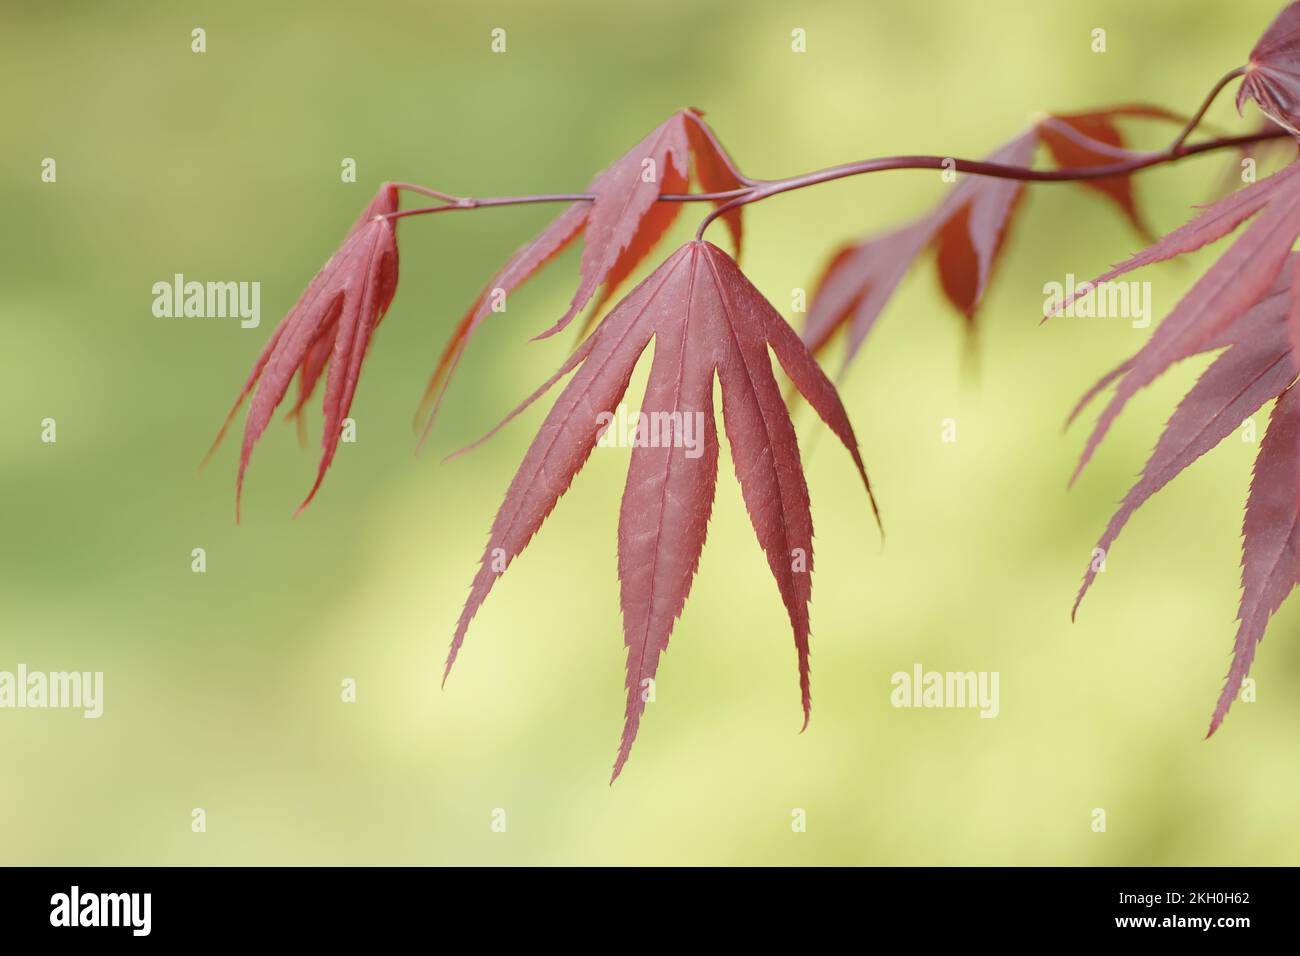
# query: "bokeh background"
223,688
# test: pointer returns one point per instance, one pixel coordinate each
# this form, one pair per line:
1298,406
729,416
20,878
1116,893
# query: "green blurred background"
222,689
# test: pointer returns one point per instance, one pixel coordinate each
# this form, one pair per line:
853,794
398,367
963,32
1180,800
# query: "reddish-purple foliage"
968,228
706,319
1272,77
1245,303
331,324
619,229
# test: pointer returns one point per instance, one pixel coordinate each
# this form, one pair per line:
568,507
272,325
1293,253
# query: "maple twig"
426,191
760,189
756,190
773,187
491,201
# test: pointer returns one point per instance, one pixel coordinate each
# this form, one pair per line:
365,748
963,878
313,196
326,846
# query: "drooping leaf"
1270,561
619,228
969,227
715,171
1255,368
1272,77
858,282
327,331
706,320
1245,302
1088,140
626,203
1239,280
966,232
1214,222
974,222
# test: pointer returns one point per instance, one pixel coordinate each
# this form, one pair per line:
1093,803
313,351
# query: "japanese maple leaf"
966,231
619,228
706,320
969,227
1083,140
1245,304
330,325
1231,286
1272,77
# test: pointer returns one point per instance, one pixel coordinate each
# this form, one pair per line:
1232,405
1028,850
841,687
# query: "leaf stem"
1176,147
773,187
756,190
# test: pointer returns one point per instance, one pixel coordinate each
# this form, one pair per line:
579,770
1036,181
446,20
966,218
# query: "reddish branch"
756,190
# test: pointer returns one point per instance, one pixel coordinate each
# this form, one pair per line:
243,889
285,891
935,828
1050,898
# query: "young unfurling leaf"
706,320
330,325
1272,77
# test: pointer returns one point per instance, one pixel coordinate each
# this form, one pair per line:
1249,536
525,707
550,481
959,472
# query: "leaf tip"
625,748
1078,600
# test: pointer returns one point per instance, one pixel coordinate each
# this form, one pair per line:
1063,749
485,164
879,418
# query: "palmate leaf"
968,229
1227,290
1272,76
1270,563
619,229
706,321
1255,368
330,325
1245,304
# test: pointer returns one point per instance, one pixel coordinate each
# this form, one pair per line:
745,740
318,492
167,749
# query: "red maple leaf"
706,319
1246,303
330,325
968,228
1272,77
1088,140
620,227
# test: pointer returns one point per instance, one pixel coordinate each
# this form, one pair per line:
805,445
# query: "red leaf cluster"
969,228
709,324
330,325
1247,305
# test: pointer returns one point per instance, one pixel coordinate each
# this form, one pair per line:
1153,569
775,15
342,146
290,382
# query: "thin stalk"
774,187
756,190
766,188
1176,147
